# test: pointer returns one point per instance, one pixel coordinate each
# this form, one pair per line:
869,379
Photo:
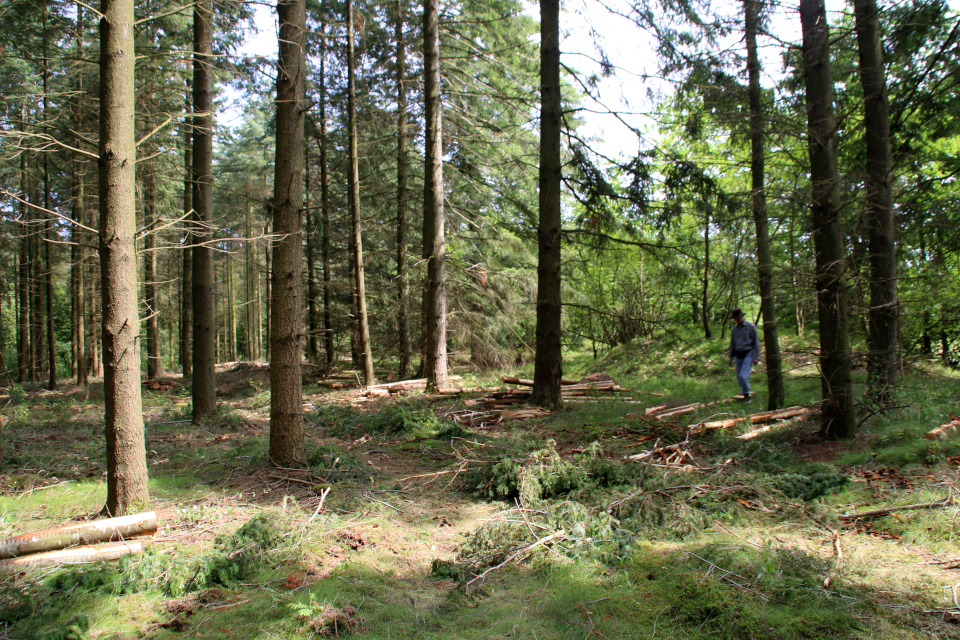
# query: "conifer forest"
414,319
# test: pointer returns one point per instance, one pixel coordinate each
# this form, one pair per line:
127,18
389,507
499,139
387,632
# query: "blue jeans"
744,367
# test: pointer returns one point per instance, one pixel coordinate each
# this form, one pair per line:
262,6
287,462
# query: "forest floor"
408,524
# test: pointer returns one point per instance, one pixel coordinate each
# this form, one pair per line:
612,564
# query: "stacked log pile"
767,418
568,389
393,389
49,547
679,454
674,409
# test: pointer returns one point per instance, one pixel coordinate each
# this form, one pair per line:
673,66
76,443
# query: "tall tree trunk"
771,339
23,285
363,325
434,248
548,360
250,276
286,396
403,226
204,322
154,366
839,418
705,285
79,267
123,413
313,321
795,279
268,251
231,310
325,210
78,248
47,239
36,300
186,270
884,307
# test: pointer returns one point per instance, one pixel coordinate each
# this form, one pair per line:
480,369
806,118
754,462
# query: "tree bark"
186,270
154,366
325,210
705,288
78,249
839,419
548,360
403,226
434,248
363,325
313,340
23,284
883,315
768,306
251,278
204,321
286,395
123,413
47,240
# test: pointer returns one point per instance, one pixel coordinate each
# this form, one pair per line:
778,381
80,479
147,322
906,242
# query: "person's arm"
730,349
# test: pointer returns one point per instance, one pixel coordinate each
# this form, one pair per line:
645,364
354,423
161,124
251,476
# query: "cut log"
944,431
753,433
782,414
108,530
656,409
679,411
529,383
80,555
718,424
402,384
521,414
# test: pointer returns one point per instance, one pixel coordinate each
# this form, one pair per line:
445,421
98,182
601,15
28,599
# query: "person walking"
744,350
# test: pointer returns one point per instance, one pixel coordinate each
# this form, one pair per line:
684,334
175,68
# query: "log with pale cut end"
944,431
108,530
717,424
780,414
80,555
777,425
678,411
529,383
420,383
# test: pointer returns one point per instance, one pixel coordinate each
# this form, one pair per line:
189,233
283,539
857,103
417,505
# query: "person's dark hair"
736,313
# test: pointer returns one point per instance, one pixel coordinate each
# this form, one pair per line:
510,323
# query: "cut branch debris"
910,507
